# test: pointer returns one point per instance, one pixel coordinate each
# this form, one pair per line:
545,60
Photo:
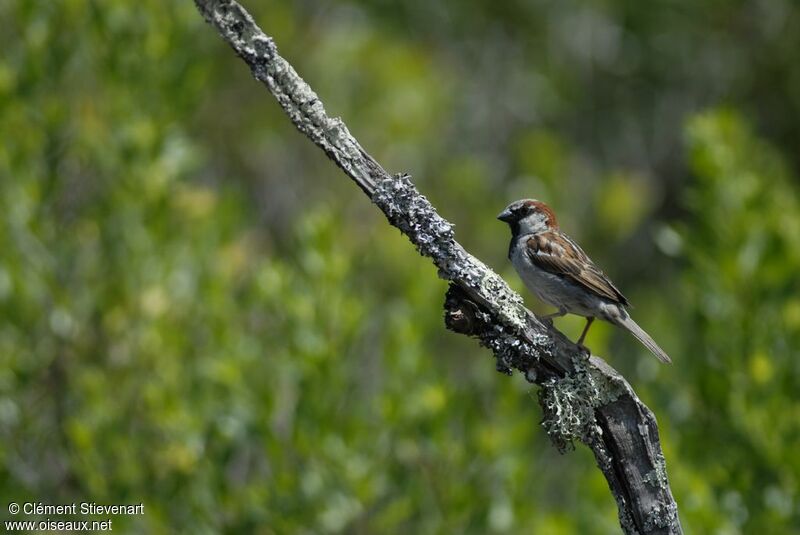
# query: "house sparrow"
553,267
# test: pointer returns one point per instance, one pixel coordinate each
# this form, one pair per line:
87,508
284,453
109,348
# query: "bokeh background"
198,311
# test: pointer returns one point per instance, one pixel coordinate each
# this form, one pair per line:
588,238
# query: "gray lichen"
657,477
568,404
411,212
662,515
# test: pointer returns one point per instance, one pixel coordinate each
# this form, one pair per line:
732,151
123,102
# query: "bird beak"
505,216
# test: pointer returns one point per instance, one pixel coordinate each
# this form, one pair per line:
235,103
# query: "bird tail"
628,323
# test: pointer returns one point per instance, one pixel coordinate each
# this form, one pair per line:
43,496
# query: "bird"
558,272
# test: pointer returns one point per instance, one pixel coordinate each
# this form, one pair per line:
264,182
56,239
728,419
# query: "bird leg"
589,321
549,317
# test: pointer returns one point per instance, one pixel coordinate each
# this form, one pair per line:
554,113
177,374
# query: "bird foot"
586,353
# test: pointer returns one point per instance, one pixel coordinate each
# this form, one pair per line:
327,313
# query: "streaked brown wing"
557,254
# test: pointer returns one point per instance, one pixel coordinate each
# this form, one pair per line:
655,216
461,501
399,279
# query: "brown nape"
542,207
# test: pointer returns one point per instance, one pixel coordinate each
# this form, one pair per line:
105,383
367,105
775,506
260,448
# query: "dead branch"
583,399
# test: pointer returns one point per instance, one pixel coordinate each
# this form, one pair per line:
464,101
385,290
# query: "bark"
582,397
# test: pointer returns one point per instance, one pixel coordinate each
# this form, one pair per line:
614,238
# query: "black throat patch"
512,247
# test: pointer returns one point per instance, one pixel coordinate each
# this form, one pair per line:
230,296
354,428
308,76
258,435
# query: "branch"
583,399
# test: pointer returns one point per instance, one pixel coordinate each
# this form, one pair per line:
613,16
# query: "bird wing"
555,253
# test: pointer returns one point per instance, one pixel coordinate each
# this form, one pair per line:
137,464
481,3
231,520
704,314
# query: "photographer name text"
82,508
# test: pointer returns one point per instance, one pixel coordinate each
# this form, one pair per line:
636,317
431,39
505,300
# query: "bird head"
528,216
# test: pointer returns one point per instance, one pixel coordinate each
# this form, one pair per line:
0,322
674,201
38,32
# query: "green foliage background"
199,312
